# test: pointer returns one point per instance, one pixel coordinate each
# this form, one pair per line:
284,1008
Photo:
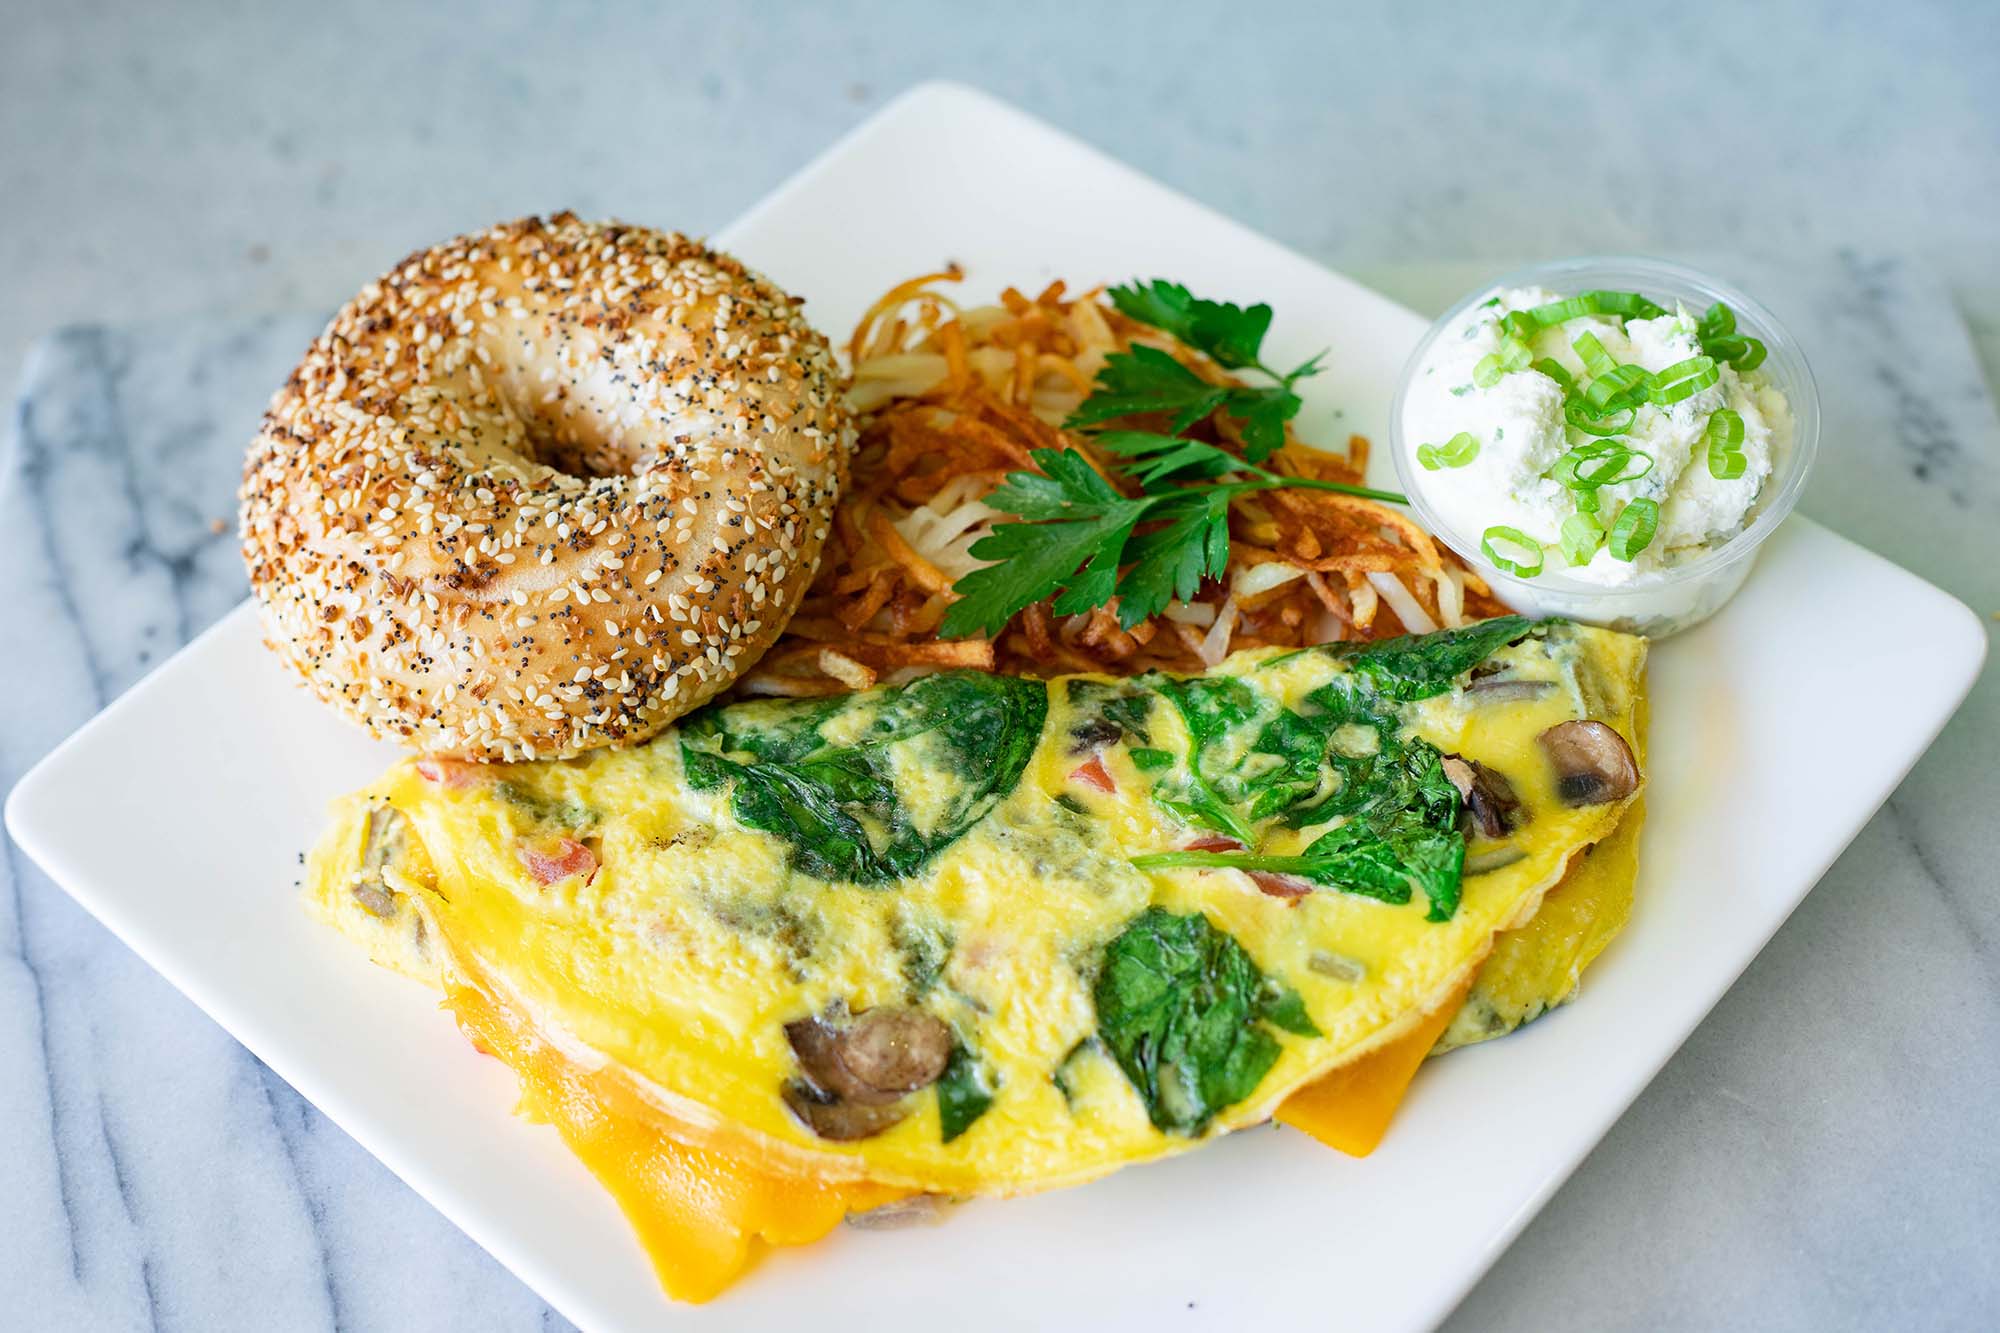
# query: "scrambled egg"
979,936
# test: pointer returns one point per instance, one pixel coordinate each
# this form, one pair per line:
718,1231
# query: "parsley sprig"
1148,380
1084,541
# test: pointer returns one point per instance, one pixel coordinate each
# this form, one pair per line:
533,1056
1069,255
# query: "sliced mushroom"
876,1059
1489,798
1499,690
813,1041
894,1051
1593,763
836,1120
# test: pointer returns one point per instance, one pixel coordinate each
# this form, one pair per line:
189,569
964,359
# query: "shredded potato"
951,399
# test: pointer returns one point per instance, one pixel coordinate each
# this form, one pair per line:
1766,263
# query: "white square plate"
218,769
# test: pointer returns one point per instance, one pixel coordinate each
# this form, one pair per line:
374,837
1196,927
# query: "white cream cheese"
1521,432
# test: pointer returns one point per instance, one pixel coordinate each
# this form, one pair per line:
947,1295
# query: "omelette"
979,935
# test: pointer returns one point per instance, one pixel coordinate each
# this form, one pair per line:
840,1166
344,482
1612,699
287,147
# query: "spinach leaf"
1417,666
1121,709
1401,832
963,1094
1400,773
1381,860
1210,706
1183,1010
1341,754
836,804
1285,1008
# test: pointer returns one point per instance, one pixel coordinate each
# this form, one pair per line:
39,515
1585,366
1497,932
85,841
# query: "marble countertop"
1817,1156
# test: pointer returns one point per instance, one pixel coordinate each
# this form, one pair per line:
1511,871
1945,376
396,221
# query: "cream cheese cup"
1710,528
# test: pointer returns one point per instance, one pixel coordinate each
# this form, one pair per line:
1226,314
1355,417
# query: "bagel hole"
587,455
567,432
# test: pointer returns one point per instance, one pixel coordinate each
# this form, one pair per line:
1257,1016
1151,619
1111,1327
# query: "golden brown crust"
544,488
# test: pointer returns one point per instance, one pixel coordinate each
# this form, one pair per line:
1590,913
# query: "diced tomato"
1091,774
451,774
1214,842
553,862
1289,887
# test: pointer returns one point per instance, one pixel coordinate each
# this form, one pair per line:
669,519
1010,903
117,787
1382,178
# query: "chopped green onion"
1746,354
1586,501
1554,370
1524,553
1519,324
1595,359
1582,534
1719,338
1613,469
1684,379
1564,471
1578,414
1633,532
1561,312
1513,355
1725,445
1618,388
1601,463
1461,449
1628,304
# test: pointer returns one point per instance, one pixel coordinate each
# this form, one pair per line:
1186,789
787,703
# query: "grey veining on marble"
1804,1163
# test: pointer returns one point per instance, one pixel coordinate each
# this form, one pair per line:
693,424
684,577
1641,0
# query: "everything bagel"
544,488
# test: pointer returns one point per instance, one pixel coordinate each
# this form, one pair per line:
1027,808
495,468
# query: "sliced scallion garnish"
1578,414
1582,534
1596,361
1628,304
1513,355
1633,531
1555,371
1745,354
1588,467
1512,551
1726,461
1459,450
1719,338
1617,388
1684,379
